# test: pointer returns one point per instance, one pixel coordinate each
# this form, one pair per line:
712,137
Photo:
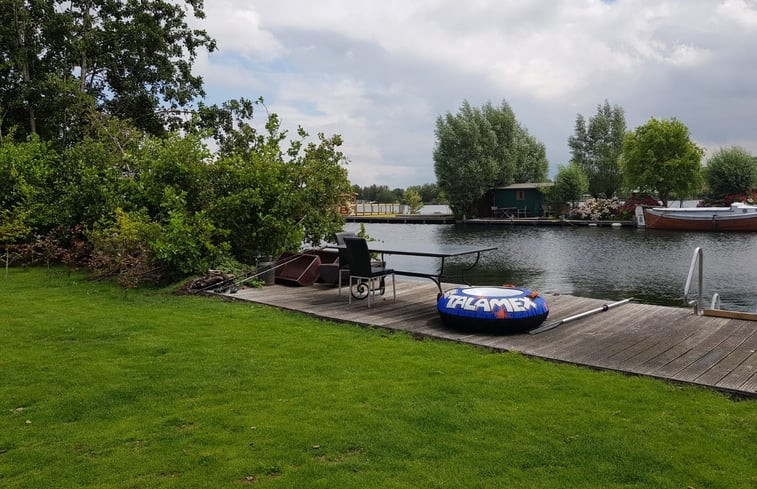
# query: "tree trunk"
25,71
86,25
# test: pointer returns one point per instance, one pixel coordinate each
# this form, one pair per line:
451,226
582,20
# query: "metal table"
438,251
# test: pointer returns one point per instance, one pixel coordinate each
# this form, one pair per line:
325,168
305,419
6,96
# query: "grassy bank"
157,390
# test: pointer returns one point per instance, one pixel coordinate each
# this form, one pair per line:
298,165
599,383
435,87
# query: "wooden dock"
663,342
485,221
525,221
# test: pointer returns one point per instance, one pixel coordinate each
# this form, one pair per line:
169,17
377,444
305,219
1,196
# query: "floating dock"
667,343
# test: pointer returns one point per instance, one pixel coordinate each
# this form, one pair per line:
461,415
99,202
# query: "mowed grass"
151,389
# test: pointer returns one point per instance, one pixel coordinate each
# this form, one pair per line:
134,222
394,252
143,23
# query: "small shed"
519,199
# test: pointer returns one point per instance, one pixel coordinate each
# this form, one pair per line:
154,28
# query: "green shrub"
731,171
185,244
121,248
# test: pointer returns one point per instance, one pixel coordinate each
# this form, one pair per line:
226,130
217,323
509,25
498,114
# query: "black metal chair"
363,272
344,261
340,237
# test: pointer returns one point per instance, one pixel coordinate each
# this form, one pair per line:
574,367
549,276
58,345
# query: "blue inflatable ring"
494,309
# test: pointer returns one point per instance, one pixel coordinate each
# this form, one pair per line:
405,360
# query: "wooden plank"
722,313
670,329
691,350
656,329
750,385
742,378
735,333
676,346
616,334
571,336
730,363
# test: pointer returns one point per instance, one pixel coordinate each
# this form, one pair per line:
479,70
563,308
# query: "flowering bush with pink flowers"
611,209
597,209
626,211
748,198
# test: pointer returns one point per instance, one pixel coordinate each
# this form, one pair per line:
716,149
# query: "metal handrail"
697,258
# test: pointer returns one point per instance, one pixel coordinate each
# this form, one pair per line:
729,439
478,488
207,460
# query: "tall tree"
660,157
131,59
596,148
480,148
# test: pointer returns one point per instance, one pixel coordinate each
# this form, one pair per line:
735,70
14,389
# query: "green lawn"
99,389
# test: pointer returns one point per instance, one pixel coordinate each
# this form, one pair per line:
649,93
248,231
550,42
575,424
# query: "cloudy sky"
380,72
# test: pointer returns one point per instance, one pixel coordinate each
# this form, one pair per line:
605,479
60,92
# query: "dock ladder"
698,258
697,263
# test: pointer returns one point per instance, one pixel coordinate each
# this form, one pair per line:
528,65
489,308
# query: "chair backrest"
344,258
358,255
340,237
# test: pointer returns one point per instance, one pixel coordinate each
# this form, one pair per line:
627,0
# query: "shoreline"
450,219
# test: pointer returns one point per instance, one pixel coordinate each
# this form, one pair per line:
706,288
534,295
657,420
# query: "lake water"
600,262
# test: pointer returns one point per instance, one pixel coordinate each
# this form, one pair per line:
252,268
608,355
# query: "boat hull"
742,218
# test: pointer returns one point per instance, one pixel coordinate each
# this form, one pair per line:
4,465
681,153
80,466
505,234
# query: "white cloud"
238,29
379,73
231,74
740,12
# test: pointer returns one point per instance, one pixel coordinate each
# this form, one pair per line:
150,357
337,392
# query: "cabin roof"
525,186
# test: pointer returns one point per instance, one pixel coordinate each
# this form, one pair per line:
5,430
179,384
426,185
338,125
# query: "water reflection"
607,263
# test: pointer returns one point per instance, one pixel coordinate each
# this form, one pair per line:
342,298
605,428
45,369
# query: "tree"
319,185
12,230
28,182
413,201
60,60
660,157
480,148
731,171
378,193
570,184
530,159
270,200
429,192
94,137
596,148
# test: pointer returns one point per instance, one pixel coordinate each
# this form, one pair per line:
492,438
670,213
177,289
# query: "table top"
435,251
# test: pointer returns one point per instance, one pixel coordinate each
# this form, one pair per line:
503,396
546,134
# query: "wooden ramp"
663,342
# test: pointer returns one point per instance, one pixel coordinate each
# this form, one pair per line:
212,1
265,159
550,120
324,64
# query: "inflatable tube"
493,309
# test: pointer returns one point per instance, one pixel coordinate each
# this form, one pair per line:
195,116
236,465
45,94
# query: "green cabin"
519,200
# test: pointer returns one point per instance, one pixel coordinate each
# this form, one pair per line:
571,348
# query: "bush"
626,211
731,171
121,249
185,244
571,183
747,198
597,210
611,209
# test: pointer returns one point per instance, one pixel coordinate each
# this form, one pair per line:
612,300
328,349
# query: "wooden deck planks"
742,378
663,342
750,385
721,370
686,352
723,343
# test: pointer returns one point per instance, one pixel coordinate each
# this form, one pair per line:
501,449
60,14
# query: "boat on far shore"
738,217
